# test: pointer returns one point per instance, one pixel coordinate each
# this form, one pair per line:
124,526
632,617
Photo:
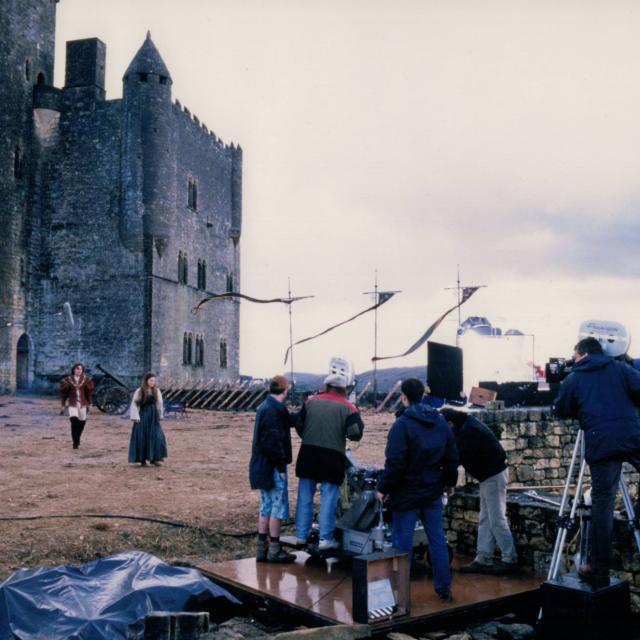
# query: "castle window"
163,79
41,79
229,282
27,69
223,353
190,349
199,351
143,77
23,273
182,268
192,194
185,349
202,274
17,162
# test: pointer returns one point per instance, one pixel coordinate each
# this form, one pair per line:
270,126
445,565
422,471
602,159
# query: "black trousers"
605,477
77,427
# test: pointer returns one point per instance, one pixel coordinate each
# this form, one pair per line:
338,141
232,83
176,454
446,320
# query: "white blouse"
134,410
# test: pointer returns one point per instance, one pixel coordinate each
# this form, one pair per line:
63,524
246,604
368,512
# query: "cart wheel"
116,401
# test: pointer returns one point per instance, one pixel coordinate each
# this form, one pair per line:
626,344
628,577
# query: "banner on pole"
234,294
467,292
383,296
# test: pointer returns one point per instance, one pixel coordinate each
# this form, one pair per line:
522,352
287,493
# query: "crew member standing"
76,392
483,457
270,455
604,395
324,423
421,462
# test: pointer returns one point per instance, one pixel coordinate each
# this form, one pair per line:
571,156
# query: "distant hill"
386,378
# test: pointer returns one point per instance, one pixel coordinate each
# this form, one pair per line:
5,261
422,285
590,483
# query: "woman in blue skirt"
147,438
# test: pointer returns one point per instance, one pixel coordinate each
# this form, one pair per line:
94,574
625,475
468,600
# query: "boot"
75,432
261,551
81,424
278,555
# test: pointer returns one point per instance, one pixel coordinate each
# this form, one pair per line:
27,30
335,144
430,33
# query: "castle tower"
148,165
26,59
148,158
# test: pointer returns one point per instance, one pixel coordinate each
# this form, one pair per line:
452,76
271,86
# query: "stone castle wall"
100,213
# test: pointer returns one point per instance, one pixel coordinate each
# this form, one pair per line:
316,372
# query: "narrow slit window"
223,353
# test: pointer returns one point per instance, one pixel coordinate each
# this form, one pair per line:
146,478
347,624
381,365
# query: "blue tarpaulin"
106,599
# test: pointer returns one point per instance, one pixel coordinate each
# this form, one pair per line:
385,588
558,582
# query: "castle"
129,210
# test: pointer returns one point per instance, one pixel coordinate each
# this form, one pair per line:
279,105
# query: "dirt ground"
203,483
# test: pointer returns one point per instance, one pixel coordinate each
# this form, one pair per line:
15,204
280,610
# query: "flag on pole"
467,292
383,296
233,294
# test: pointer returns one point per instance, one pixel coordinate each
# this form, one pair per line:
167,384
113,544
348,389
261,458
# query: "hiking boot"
278,555
476,567
261,550
597,578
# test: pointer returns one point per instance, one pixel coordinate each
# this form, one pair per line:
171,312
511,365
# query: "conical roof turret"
148,60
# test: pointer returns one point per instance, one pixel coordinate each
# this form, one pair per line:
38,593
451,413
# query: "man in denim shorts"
270,455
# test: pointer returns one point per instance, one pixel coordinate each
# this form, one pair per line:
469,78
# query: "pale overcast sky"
410,137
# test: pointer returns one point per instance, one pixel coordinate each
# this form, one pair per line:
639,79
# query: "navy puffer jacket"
421,459
604,395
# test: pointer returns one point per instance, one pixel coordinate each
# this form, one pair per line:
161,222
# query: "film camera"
557,369
613,337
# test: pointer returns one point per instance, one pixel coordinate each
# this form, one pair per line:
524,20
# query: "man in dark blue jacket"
270,455
483,457
421,461
604,395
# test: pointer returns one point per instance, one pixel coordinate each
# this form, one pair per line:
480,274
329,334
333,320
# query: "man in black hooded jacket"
604,395
483,457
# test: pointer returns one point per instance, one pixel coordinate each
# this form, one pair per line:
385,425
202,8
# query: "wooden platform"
324,591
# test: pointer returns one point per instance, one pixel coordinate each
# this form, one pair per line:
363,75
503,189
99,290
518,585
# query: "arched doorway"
23,360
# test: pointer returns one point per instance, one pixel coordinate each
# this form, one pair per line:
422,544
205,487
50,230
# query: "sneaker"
278,555
445,596
301,542
327,545
476,567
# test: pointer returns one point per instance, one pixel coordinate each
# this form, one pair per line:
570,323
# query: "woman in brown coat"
76,392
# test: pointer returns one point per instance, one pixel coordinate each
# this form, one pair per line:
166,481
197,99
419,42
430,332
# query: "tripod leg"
566,523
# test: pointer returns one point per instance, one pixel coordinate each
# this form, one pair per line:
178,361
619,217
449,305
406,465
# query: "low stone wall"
539,450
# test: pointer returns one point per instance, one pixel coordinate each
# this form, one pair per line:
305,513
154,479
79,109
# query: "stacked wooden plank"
217,395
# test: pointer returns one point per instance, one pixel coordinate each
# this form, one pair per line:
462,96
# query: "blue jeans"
404,523
304,509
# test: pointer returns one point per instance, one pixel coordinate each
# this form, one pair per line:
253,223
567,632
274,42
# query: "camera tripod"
567,515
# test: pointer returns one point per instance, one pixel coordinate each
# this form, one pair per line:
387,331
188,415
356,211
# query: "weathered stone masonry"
98,199
539,450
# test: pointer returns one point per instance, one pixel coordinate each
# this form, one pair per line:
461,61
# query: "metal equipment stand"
568,603
567,521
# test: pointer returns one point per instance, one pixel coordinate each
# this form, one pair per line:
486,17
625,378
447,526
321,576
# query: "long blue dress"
147,438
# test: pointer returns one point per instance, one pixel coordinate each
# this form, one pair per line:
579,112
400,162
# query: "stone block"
525,473
336,632
163,625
